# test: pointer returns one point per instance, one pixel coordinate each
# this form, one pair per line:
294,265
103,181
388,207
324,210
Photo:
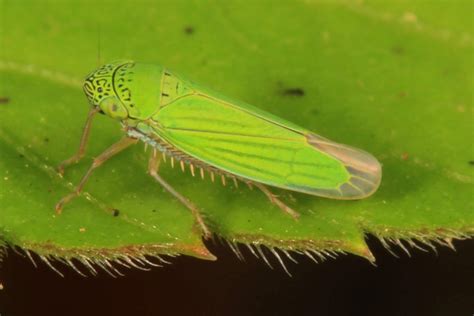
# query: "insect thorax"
173,87
144,88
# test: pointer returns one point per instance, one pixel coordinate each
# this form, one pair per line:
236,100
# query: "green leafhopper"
197,128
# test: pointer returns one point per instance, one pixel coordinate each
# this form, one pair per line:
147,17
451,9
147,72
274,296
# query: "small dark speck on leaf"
46,140
21,156
4,100
398,50
153,211
116,212
471,162
405,156
296,92
447,71
189,30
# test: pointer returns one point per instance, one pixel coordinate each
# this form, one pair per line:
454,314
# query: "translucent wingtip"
365,169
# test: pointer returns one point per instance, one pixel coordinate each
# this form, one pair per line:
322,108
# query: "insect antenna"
3,51
98,45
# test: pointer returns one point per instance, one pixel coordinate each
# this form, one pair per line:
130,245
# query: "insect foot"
64,200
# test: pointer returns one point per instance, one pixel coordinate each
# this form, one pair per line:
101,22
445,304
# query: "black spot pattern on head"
97,84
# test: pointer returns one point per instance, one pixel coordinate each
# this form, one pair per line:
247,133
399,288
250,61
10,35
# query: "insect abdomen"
179,157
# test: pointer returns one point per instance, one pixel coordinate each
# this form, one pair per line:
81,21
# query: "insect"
199,129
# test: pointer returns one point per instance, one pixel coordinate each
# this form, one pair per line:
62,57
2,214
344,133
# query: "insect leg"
107,154
153,171
272,197
82,147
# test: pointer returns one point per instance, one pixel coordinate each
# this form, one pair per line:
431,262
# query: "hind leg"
273,198
153,171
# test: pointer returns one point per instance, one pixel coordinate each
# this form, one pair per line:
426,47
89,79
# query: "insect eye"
99,89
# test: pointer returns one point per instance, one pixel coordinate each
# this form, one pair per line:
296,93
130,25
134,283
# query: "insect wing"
261,148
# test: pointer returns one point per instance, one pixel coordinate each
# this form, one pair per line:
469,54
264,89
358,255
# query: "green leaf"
392,78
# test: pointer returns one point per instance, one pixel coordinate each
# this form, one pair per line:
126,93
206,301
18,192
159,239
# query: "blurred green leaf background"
393,78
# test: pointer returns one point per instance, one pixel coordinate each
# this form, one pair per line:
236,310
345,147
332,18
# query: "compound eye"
112,107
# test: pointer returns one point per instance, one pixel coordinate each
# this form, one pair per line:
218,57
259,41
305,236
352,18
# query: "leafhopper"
196,128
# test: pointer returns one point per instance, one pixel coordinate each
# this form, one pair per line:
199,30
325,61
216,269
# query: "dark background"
423,284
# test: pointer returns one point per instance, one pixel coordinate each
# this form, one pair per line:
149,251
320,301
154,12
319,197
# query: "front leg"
153,171
106,155
82,147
